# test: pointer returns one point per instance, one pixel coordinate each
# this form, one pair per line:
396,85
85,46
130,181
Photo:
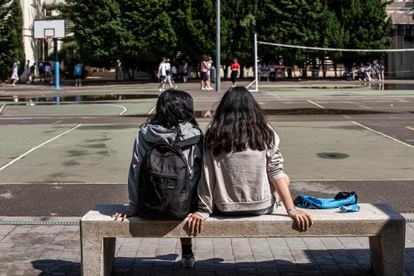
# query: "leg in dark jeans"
187,257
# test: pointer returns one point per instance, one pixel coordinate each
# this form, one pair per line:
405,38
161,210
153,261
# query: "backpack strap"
189,141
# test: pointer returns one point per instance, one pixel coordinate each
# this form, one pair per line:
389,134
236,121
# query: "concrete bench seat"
384,226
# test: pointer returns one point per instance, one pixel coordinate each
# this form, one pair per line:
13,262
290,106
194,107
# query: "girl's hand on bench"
120,216
302,219
195,223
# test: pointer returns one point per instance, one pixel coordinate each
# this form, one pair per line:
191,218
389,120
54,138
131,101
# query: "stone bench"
383,225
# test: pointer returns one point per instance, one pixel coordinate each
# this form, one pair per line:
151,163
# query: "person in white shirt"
162,74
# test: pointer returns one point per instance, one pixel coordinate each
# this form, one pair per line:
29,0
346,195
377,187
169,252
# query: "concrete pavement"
36,246
50,246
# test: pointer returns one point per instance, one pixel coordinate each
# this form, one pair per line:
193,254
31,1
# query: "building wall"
35,49
400,64
31,9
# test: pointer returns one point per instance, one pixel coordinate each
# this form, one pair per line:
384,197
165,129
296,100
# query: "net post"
255,62
256,78
218,52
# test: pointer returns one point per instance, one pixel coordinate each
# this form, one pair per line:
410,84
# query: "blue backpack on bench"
342,199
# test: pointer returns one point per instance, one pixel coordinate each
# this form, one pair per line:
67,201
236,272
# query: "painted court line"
410,128
2,107
382,134
152,109
318,105
37,147
121,106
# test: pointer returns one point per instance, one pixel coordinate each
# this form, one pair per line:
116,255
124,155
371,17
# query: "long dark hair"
239,123
174,107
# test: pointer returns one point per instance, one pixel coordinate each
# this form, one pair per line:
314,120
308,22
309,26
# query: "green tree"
366,26
98,30
11,28
238,25
296,22
323,23
194,24
149,32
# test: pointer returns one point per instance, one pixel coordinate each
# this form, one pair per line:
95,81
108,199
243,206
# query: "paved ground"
55,250
64,151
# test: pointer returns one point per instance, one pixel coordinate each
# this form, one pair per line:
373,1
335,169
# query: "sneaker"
210,88
188,260
204,89
175,87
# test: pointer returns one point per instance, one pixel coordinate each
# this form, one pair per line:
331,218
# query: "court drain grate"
37,222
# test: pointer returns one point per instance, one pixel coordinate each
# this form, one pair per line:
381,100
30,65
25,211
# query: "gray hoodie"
149,135
238,182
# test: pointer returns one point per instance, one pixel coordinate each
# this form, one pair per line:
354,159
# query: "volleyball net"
274,61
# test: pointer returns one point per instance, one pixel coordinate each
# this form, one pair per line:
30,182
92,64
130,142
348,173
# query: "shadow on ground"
322,262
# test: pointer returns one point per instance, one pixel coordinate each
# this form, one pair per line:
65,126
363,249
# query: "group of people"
207,73
166,74
271,71
44,71
237,171
369,72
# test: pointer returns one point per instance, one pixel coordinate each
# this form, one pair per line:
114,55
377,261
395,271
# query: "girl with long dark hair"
173,121
243,165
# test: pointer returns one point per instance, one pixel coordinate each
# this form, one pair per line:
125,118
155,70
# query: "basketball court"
63,151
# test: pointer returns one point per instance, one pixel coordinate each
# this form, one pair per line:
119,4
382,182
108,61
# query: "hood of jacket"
153,133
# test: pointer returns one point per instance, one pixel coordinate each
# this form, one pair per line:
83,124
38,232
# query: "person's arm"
132,184
205,191
280,181
302,219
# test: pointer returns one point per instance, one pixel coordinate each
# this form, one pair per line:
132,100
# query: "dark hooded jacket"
150,134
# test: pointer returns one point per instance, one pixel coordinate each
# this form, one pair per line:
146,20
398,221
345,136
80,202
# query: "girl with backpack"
174,121
242,165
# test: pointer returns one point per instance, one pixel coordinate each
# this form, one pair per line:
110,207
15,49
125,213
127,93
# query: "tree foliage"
194,22
11,28
140,32
98,30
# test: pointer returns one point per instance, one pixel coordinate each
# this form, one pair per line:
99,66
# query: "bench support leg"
108,255
387,252
97,254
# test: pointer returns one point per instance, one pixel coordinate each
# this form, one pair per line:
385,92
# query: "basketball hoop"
49,32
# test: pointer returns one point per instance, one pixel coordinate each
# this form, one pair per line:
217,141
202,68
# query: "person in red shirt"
235,68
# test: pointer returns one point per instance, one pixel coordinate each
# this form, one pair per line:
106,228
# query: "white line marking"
37,147
152,109
318,105
346,116
410,128
121,106
2,107
382,134
272,95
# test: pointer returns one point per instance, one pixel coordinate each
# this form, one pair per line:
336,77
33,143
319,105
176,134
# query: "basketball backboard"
49,28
